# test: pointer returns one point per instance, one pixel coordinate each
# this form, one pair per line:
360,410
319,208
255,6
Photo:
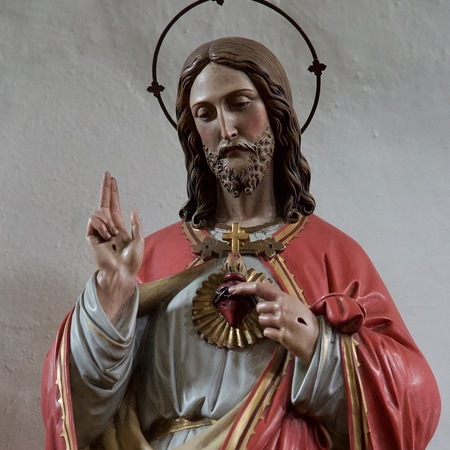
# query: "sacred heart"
233,308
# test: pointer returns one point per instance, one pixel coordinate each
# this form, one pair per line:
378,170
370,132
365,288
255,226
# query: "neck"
249,210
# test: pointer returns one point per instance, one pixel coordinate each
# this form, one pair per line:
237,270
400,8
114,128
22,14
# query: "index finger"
265,290
116,211
105,192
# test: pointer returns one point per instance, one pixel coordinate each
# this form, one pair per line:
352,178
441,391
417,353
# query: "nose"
228,129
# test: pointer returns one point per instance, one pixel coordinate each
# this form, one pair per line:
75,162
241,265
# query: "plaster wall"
73,103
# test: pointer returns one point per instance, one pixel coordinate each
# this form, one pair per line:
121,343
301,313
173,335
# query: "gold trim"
253,229
291,230
213,327
205,245
357,402
287,279
254,409
66,432
364,409
163,427
153,293
195,262
281,237
193,235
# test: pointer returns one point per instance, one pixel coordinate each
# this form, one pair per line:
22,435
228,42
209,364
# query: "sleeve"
392,395
101,362
318,389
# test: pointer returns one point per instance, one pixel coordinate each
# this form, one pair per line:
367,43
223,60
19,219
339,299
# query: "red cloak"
392,396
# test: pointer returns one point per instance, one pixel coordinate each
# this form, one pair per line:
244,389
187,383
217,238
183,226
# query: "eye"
203,113
239,102
241,105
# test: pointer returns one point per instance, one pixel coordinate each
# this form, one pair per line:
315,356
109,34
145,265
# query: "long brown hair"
291,170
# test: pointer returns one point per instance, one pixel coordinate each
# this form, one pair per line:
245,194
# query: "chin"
238,163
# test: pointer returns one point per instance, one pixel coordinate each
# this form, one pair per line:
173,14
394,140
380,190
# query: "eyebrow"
230,94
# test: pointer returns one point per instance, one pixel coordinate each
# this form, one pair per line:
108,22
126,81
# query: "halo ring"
316,67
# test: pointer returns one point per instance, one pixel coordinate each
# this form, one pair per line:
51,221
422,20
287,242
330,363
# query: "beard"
247,178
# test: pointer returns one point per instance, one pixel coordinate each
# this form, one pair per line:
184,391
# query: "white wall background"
73,103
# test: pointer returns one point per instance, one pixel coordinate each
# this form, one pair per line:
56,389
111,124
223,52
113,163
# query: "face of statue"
232,121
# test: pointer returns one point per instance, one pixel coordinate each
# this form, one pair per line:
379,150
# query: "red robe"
392,396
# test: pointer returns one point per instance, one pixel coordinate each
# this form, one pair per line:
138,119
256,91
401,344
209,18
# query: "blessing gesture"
117,253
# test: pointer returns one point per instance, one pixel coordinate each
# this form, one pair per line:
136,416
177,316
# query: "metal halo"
316,67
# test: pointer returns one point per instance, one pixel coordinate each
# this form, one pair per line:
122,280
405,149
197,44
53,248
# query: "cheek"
205,134
257,123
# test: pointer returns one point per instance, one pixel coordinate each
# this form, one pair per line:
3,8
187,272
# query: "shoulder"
319,231
319,237
327,231
166,235
166,251
325,259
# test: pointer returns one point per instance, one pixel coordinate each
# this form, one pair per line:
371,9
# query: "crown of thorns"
316,67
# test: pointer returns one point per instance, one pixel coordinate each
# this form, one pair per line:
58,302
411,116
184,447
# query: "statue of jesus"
251,323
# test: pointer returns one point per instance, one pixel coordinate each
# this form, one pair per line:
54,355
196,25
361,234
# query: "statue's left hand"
285,318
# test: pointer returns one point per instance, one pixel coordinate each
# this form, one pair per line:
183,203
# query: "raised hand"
285,318
117,253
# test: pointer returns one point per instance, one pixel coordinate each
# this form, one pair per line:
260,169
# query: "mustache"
239,142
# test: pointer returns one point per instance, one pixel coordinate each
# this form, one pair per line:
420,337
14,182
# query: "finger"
102,216
98,227
105,192
265,307
269,320
266,291
136,226
116,211
274,334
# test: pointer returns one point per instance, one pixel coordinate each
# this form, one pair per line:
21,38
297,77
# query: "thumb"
136,226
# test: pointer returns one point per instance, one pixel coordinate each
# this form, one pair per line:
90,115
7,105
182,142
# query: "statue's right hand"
118,254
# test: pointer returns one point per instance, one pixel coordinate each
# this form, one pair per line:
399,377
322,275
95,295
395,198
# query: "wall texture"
73,103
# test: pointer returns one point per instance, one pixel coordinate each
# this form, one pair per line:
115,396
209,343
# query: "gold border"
286,278
359,425
287,233
163,427
61,382
213,327
282,236
194,235
253,410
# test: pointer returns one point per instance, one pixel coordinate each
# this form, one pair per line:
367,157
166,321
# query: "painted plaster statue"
253,324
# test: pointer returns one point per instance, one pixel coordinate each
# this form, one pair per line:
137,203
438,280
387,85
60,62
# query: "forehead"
216,81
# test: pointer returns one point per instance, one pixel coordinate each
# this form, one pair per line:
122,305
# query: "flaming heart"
233,308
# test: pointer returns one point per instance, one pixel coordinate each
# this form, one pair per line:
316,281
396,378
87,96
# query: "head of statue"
290,169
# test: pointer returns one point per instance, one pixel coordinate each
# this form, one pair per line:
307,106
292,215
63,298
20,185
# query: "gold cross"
235,236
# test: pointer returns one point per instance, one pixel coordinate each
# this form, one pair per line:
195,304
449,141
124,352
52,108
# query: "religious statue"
253,324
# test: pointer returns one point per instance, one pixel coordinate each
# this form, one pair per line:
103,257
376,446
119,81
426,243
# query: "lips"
225,151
